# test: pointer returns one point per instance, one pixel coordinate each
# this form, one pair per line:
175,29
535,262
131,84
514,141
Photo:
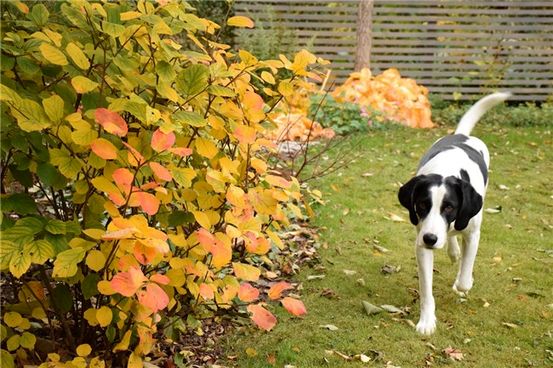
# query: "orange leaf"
148,202
116,198
128,283
262,317
181,151
162,141
123,179
104,149
247,293
161,172
294,306
111,121
245,134
222,253
135,158
206,291
160,279
143,253
153,297
246,272
240,21
127,233
276,290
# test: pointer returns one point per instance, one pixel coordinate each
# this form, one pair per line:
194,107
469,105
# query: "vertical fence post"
364,34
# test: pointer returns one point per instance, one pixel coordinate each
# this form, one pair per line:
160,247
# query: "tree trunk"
364,34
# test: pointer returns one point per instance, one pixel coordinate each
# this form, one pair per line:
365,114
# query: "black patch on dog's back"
456,141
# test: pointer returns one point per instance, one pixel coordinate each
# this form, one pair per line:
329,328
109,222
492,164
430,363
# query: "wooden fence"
456,48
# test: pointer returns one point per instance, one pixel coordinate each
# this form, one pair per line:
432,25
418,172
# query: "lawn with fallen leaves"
367,255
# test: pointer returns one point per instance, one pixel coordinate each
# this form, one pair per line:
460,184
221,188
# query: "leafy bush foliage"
521,115
135,191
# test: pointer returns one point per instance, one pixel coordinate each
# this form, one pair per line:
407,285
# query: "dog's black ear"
471,204
405,196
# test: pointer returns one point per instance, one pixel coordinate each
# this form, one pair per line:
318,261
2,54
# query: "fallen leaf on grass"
315,277
453,354
380,248
395,218
350,272
362,357
371,308
329,327
510,325
389,269
391,309
251,352
494,210
367,174
503,187
329,293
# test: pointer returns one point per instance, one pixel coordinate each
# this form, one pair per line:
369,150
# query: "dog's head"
434,203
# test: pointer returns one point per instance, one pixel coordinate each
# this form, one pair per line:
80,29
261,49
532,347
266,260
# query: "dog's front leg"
427,321
464,280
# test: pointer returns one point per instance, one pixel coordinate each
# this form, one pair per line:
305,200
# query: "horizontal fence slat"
433,50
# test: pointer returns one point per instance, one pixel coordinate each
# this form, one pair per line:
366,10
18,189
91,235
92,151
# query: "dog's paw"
462,288
426,325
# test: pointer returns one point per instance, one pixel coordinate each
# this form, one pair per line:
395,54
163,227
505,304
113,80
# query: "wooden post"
364,34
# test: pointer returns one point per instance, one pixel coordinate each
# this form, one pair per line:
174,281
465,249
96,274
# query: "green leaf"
40,251
27,340
59,242
7,250
67,165
55,227
33,224
62,298
112,29
30,116
13,343
21,203
49,175
27,66
67,261
53,106
39,15
89,285
189,118
177,218
165,71
193,79
20,263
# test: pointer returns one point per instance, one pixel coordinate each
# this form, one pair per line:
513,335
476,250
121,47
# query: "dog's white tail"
471,117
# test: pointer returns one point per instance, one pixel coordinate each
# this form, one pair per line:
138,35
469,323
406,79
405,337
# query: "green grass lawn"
507,319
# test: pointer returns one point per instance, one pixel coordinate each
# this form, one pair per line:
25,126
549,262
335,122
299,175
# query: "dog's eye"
448,209
422,205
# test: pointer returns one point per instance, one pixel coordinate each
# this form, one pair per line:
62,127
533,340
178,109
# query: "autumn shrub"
136,196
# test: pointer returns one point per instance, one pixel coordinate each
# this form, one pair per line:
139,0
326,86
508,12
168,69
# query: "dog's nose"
430,239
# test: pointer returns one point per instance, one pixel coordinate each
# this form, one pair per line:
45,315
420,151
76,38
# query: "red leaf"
104,149
111,121
128,283
161,172
162,141
262,317
276,290
123,179
148,202
181,151
153,297
294,306
247,293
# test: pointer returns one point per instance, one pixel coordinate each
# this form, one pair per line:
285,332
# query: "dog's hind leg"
453,249
427,320
464,280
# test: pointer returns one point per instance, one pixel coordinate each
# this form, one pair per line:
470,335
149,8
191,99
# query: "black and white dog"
445,199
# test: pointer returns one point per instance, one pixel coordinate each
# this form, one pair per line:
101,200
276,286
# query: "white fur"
449,163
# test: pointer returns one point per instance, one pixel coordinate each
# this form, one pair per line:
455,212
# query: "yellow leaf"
105,288
53,54
104,315
77,55
205,147
53,106
84,350
240,21
95,260
129,15
90,316
124,343
135,361
84,134
83,84
245,271
67,261
202,218
268,77
95,234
